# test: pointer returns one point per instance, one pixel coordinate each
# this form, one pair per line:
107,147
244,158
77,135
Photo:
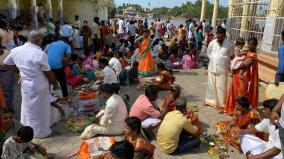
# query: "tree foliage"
192,10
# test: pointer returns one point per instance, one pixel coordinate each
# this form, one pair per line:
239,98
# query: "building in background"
60,10
263,19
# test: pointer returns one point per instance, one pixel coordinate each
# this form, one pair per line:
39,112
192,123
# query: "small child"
19,145
239,55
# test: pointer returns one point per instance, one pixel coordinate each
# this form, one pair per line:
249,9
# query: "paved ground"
194,86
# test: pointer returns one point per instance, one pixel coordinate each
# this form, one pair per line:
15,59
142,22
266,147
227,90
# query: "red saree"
247,87
241,122
252,78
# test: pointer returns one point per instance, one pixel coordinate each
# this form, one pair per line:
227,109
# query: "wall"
3,7
86,10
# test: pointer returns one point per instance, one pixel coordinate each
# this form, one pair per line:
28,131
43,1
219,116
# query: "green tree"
192,10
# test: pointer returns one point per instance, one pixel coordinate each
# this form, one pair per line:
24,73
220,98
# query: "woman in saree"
79,69
145,59
142,148
72,79
245,80
166,79
245,118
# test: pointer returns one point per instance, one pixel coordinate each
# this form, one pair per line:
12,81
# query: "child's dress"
237,61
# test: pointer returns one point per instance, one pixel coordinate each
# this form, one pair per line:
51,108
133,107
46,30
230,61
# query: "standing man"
51,28
132,32
220,52
96,34
121,27
32,63
169,30
191,29
58,53
279,77
145,24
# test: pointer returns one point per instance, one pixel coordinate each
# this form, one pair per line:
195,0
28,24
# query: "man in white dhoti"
32,63
220,52
254,147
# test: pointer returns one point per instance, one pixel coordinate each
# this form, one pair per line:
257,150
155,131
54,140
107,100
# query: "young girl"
239,55
19,145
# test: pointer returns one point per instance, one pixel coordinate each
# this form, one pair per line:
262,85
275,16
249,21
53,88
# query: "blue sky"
163,3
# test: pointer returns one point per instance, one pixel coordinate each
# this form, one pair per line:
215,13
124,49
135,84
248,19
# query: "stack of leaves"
77,124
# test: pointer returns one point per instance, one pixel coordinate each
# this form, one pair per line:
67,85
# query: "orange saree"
146,60
247,87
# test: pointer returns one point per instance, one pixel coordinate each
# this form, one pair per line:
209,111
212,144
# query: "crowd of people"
121,53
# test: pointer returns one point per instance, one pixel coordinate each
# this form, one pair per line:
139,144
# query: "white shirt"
115,64
191,31
220,56
120,27
169,27
282,116
109,75
115,112
273,140
31,61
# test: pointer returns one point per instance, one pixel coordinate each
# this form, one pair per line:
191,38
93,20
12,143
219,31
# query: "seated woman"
142,148
254,147
79,69
174,94
8,127
111,120
88,62
246,118
72,79
166,79
189,60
